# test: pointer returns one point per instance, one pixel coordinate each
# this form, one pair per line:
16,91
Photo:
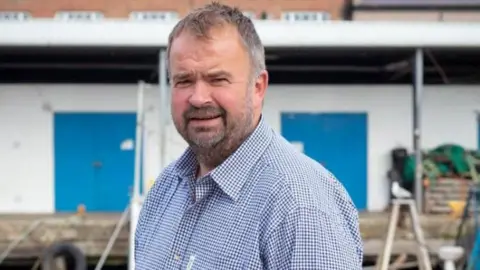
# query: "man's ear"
260,88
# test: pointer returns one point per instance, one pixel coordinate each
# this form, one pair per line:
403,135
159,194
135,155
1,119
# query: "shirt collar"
232,174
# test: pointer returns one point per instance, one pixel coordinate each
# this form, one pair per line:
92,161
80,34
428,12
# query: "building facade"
64,144
299,10
416,10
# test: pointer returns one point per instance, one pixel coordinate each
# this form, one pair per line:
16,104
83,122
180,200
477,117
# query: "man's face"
213,99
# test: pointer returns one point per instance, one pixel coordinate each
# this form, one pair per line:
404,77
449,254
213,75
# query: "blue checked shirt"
266,207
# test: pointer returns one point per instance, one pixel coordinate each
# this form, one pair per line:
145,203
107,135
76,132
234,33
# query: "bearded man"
240,197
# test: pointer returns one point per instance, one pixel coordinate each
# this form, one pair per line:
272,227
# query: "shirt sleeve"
313,239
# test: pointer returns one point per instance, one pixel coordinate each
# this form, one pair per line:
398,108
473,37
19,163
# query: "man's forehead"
193,56
188,64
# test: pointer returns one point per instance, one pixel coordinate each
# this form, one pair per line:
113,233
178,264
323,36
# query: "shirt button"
177,257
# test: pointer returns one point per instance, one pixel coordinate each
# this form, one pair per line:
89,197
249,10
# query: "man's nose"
201,94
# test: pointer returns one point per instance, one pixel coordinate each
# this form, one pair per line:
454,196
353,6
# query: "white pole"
136,196
418,92
163,85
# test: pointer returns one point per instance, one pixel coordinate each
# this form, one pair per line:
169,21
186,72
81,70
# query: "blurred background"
364,87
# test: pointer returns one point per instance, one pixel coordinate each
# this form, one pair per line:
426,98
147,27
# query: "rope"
20,239
113,238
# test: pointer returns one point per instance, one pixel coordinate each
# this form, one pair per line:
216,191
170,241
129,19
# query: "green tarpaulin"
445,160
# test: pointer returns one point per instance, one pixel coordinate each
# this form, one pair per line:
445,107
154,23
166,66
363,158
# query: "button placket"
182,239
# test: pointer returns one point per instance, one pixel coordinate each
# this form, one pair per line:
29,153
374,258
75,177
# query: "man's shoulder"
305,181
153,199
162,183
305,186
169,171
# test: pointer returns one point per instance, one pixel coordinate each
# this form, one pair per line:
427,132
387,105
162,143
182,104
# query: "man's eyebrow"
219,73
181,76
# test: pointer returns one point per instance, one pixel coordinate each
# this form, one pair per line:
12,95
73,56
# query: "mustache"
207,112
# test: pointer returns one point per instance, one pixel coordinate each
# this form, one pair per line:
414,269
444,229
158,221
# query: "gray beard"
214,155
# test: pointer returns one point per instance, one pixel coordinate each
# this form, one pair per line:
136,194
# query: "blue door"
94,160
338,141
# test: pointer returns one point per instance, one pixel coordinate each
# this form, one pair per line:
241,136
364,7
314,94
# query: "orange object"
426,183
81,209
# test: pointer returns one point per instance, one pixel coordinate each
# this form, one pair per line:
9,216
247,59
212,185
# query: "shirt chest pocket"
216,262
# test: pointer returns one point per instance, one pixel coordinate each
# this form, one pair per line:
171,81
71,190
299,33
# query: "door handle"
97,164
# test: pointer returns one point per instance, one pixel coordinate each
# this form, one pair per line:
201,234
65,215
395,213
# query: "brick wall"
116,8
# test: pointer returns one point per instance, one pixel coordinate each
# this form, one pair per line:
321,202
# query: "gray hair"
200,21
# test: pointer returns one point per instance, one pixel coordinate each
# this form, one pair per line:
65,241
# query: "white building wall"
26,128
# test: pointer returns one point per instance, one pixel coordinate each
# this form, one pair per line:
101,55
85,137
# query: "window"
14,16
153,16
299,16
79,15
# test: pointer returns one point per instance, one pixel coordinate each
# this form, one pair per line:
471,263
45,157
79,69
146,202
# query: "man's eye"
219,80
182,82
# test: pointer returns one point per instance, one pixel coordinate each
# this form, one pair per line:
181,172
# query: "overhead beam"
274,67
274,34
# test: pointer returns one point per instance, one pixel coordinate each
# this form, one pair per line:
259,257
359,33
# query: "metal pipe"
163,108
136,196
86,66
417,113
290,68
113,238
327,68
138,140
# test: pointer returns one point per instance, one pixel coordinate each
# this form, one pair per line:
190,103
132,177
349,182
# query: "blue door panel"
107,171
73,179
114,178
338,141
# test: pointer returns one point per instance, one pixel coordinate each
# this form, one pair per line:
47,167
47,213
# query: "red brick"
119,9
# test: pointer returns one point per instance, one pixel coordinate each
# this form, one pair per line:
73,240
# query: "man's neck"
203,170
